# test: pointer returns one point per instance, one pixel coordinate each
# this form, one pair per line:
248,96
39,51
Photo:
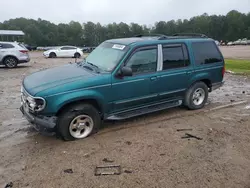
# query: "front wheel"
78,122
196,96
52,55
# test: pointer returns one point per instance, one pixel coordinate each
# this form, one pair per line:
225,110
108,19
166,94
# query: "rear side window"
22,45
175,56
5,45
206,53
68,48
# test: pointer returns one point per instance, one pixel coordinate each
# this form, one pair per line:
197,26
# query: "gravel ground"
149,148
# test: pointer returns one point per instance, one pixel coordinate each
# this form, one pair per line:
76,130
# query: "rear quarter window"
206,53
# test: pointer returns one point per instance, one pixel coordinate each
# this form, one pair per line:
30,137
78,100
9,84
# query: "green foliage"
238,65
40,32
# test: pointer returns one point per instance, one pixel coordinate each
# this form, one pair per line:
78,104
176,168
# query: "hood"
53,77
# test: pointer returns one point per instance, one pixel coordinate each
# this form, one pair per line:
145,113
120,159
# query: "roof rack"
175,36
191,35
153,35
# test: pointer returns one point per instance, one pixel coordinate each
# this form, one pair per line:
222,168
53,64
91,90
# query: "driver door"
139,89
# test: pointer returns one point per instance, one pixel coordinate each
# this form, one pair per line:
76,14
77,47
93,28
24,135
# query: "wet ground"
149,149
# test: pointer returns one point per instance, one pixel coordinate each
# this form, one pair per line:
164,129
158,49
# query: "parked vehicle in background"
230,43
64,51
12,54
237,42
243,41
29,47
88,49
120,79
217,42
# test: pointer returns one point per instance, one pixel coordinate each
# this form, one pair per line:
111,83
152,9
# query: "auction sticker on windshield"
118,46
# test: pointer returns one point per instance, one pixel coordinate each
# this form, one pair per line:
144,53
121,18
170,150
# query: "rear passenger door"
175,71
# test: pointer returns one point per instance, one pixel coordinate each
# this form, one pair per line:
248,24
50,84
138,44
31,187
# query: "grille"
24,100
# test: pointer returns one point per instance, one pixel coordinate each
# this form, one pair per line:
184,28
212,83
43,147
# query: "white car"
64,51
217,42
12,54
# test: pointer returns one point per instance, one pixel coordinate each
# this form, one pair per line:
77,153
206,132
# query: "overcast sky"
108,11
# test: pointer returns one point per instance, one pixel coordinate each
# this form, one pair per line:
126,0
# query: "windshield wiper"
94,66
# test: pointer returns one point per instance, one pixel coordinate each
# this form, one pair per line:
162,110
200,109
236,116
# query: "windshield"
107,55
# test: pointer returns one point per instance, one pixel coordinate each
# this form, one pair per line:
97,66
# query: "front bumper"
45,55
40,123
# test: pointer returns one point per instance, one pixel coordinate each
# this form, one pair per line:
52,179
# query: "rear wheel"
78,122
52,55
10,62
196,96
77,55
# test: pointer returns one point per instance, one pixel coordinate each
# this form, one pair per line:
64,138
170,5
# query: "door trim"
136,99
170,92
129,81
160,58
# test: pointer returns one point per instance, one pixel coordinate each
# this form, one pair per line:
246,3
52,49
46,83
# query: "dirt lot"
149,149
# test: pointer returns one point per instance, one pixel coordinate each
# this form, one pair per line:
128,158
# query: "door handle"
153,78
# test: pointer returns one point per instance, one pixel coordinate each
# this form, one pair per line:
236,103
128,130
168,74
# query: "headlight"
35,104
39,104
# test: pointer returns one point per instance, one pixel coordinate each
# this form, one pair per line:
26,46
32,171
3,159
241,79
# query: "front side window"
5,46
143,61
174,56
206,53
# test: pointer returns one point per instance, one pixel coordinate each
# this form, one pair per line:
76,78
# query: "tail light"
223,70
23,51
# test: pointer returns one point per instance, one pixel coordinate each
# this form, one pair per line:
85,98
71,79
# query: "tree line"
40,32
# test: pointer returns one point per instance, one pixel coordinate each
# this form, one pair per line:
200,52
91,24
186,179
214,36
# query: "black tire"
77,55
10,62
52,55
70,113
189,101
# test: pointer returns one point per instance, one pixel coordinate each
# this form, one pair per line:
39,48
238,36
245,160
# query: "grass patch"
238,66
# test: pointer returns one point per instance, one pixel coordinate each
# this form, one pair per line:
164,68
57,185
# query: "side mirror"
126,71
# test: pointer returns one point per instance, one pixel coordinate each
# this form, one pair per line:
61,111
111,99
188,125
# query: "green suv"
120,79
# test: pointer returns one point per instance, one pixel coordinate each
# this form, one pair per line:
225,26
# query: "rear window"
5,45
206,53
